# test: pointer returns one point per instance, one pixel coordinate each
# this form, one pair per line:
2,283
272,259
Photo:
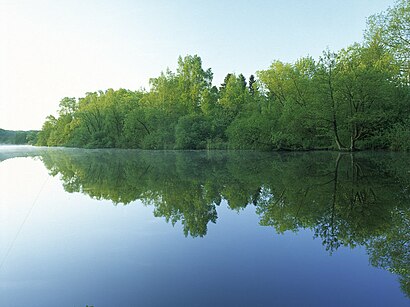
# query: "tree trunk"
337,139
352,143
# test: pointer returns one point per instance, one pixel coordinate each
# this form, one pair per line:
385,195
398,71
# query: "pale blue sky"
52,49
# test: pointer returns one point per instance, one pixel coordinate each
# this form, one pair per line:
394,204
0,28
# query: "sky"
65,48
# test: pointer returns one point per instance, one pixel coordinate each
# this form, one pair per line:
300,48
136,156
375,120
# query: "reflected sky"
258,248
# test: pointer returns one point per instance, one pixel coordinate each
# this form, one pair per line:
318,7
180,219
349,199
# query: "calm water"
142,228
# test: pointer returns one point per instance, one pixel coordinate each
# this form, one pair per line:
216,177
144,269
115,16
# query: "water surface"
143,228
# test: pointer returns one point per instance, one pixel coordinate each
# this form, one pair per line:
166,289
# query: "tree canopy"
354,98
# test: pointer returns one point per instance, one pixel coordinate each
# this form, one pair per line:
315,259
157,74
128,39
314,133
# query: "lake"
195,228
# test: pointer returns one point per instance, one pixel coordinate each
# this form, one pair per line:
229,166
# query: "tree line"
355,98
18,137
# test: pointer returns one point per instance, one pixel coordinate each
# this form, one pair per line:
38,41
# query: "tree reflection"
345,199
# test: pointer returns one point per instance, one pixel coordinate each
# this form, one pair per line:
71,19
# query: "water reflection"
347,200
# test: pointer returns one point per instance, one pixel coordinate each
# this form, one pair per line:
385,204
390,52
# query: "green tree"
44,134
193,80
392,29
193,131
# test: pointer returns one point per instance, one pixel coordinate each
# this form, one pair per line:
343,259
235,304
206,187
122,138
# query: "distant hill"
18,137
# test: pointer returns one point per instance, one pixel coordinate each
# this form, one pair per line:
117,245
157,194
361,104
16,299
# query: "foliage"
192,132
399,136
251,132
355,98
18,137
392,29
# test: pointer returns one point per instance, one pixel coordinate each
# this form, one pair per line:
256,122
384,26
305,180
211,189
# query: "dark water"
142,228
